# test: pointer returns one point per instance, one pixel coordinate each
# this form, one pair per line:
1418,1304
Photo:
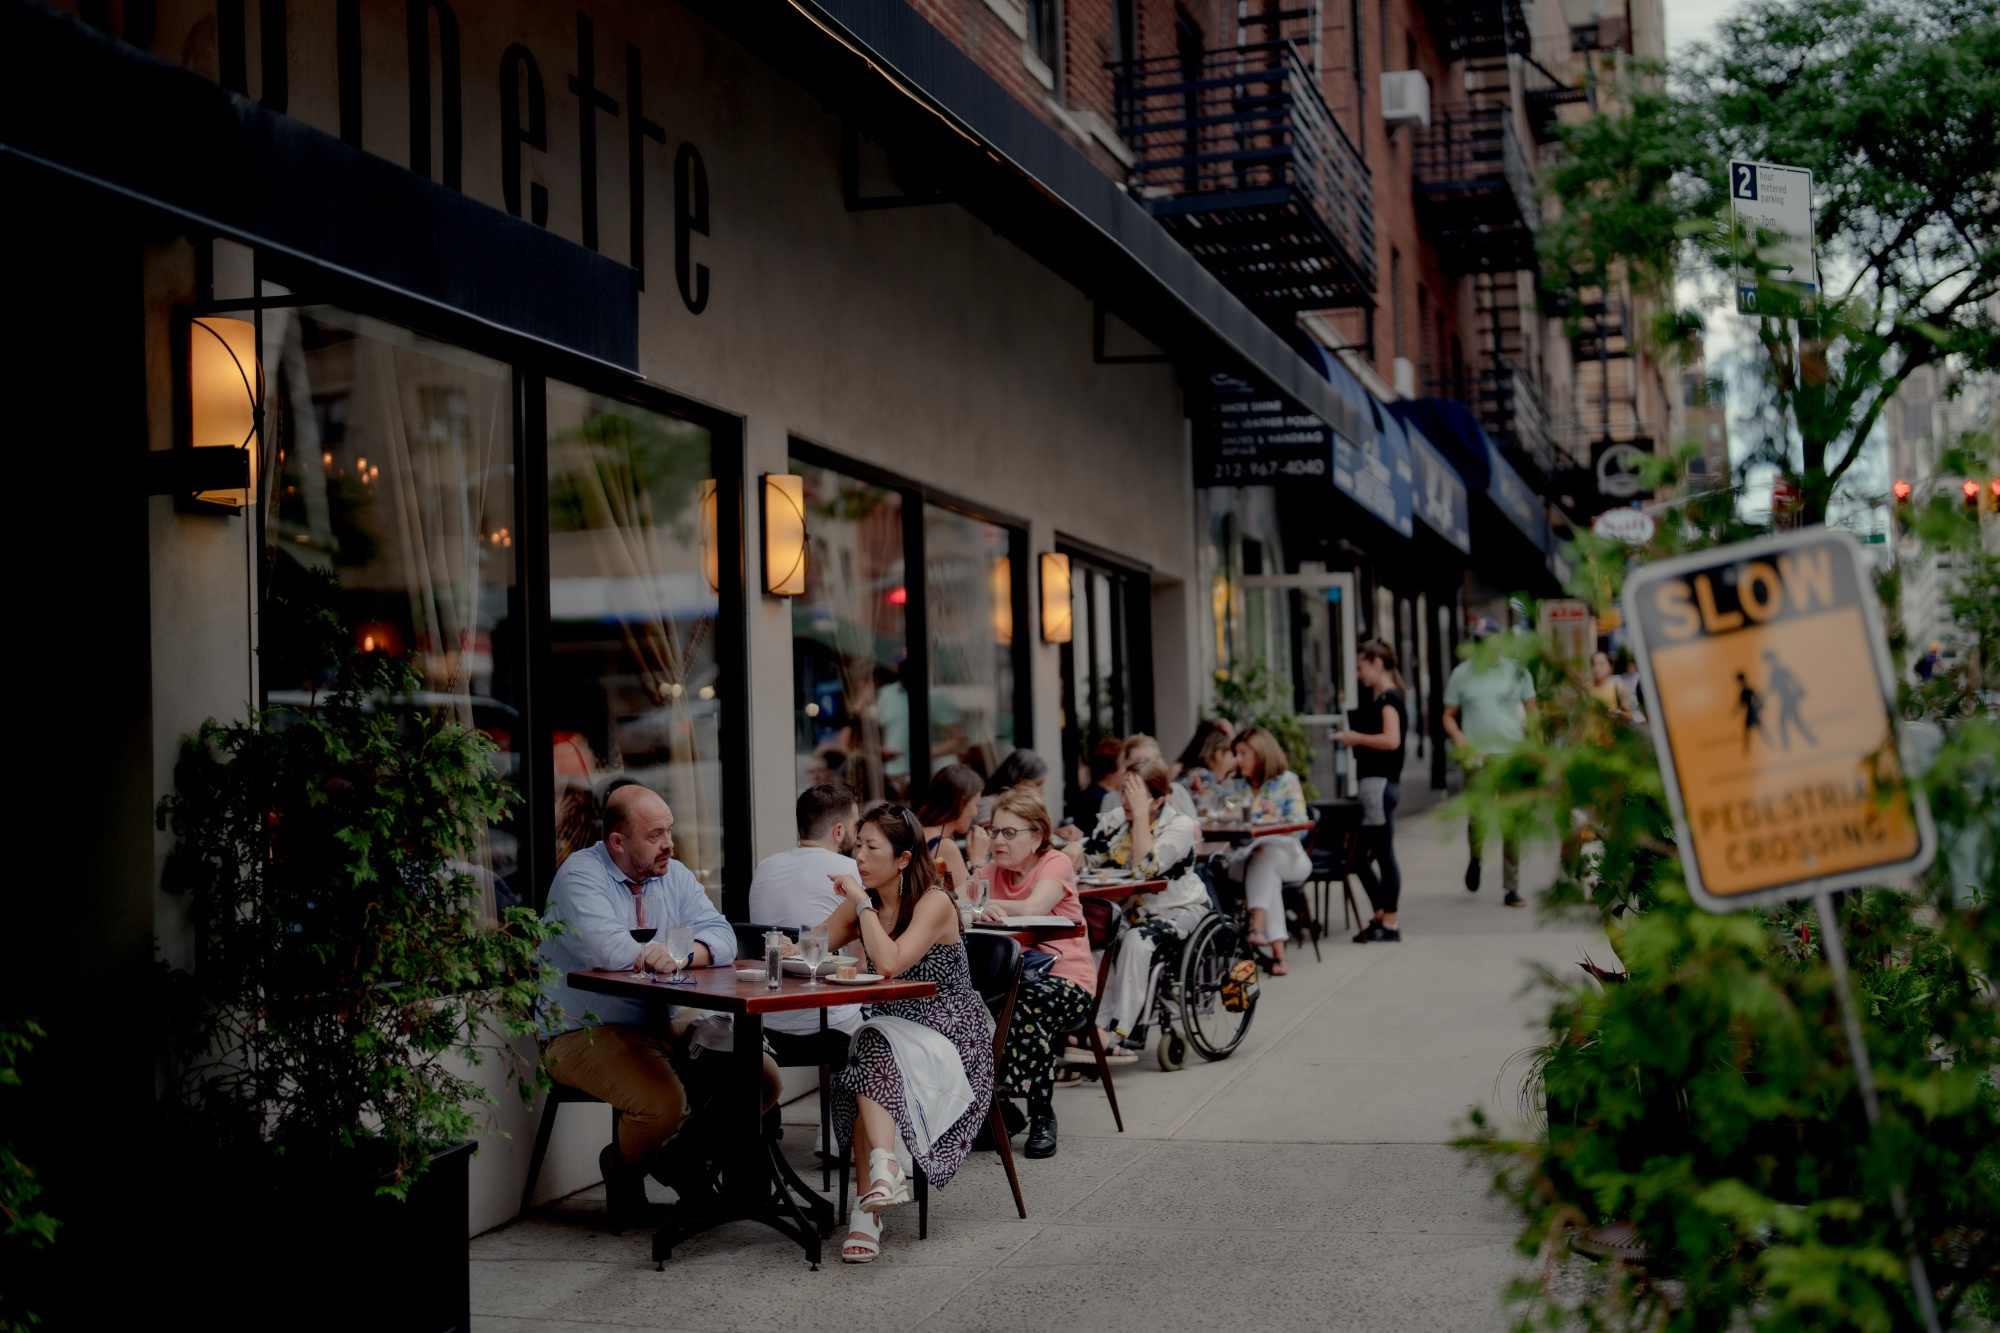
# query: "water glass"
812,949
680,946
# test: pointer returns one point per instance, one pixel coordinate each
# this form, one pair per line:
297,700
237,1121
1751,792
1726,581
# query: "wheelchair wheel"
1172,1051
1215,1010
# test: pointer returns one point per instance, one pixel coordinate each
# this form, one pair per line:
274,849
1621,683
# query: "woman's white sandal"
864,1240
890,1183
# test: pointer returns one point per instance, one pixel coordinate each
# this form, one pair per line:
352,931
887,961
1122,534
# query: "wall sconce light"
711,558
1057,618
1003,600
784,506
214,469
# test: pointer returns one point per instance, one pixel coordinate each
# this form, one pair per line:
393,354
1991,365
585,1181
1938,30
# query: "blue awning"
1451,426
1439,495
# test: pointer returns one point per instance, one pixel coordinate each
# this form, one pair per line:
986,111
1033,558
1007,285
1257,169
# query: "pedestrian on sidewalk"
1377,739
1486,711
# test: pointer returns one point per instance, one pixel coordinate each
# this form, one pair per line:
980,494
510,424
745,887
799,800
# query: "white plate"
858,979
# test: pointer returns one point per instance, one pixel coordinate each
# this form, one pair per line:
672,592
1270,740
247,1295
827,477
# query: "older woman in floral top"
1265,864
1151,838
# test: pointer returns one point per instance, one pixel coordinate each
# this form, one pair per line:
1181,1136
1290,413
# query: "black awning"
80,102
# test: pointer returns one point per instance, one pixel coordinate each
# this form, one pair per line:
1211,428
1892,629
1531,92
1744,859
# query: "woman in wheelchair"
1149,837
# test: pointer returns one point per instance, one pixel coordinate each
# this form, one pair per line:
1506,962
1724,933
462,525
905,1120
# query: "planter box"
260,1249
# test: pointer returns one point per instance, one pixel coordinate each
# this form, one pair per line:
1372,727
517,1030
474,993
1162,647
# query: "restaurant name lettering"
606,93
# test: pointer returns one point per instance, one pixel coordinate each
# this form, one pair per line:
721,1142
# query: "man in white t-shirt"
795,888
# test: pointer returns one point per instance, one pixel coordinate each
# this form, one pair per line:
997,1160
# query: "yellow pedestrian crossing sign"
1769,689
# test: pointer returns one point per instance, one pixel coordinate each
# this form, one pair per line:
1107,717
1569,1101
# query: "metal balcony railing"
1479,29
1472,177
1239,157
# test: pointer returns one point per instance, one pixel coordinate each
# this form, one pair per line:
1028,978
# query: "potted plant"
317,1094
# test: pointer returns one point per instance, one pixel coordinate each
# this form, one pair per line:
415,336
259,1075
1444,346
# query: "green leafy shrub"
22,1225
342,977
1249,694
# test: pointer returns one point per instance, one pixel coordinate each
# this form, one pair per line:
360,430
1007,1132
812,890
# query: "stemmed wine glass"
680,947
643,934
812,951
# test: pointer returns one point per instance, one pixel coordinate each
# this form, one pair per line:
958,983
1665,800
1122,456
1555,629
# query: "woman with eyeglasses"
909,924
1028,877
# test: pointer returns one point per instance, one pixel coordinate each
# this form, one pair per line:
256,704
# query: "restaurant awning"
1450,425
1439,496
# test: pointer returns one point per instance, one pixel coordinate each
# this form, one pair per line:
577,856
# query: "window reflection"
632,611
394,467
969,579
849,644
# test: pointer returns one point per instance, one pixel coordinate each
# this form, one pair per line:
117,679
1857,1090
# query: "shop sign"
1518,503
1634,527
1617,470
1567,627
1245,436
1439,497
1769,687
1377,474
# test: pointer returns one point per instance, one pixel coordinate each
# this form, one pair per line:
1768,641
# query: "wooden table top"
1124,888
720,989
1217,830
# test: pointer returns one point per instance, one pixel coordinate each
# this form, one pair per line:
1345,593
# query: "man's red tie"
638,900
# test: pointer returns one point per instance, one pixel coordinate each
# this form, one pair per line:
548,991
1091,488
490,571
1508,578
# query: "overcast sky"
1691,20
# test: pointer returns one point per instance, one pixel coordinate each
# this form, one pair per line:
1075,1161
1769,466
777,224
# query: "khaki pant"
632,1070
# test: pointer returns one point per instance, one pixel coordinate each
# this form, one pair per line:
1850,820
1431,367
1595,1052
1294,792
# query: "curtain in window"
632,610
392,462
849,643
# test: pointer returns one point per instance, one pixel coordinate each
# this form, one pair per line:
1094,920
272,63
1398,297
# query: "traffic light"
1970,490
1990,503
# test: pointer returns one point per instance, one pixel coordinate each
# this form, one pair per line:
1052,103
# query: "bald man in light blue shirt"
607,1045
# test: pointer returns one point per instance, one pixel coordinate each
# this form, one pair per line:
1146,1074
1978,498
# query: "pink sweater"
1072,955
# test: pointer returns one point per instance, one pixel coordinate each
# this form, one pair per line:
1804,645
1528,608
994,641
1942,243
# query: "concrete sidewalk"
1307,1180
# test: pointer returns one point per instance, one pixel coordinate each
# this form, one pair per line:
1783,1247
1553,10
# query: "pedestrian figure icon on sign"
1752,704
1790,693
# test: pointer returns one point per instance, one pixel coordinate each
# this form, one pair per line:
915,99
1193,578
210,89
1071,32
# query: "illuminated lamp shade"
784,505
711,557
1003,600
1057,617
224,380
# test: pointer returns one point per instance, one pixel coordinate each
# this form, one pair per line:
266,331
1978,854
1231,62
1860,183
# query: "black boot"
1041,1132
624,1189
1472,875
683,1167
1010,1115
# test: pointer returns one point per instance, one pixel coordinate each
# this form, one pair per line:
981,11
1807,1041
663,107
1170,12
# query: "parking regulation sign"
1769,689
1770,217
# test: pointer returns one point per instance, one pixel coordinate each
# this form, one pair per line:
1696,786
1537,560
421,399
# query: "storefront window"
969,582
1107,687
849,641
393,472
633,601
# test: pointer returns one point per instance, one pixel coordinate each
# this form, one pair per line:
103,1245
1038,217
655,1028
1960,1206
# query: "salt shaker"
774,958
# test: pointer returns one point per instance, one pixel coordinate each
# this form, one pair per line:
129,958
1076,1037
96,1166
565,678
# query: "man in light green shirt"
1486,713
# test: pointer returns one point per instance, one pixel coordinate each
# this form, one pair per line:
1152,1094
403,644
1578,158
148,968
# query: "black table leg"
758,1185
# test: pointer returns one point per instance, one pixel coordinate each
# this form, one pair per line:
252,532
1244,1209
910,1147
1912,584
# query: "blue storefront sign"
1440,498
1518,503
1377,472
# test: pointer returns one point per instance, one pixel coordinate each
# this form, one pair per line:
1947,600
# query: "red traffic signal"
1971,489
1902,489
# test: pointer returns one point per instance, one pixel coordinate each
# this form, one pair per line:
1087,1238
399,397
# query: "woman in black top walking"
1378,760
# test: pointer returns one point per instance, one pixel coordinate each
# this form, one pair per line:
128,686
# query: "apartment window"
1388,37
1396,301
1125,30
1045,34
1424,361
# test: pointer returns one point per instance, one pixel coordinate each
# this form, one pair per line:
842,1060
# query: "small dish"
858,979
751,974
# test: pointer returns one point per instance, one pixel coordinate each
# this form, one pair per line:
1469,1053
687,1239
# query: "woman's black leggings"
1378,844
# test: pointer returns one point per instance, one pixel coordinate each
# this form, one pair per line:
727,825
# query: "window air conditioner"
1406,98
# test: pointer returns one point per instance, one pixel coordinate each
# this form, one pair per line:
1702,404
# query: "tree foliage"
1707,1097
342,978
1894,105
22,1225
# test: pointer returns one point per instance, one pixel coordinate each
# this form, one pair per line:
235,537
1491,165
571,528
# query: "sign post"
1771,234
1771,695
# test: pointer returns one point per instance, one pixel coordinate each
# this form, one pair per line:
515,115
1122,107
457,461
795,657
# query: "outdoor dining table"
1117,890
758,1184
1038,933
1235,830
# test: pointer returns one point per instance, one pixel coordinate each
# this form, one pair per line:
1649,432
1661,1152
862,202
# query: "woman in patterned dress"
909,925
1266,863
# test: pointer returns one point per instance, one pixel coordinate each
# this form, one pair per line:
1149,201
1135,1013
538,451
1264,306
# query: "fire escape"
1240,159
1476,191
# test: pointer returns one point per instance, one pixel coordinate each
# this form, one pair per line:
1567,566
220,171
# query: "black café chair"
995,963
558,1094
750,947
1336,850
